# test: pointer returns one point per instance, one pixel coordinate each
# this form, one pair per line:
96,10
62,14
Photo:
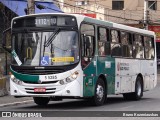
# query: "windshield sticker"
45,60
14,54
63,59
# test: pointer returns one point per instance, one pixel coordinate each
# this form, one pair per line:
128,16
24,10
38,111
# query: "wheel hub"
100,92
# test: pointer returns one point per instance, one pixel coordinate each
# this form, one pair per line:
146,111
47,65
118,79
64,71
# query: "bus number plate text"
39,89
50,77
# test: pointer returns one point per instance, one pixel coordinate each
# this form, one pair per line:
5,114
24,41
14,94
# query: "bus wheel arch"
138,93
101,76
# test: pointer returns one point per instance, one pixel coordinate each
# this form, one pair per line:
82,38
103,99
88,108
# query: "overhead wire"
96,12
108,15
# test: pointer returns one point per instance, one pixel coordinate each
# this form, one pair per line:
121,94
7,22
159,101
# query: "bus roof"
96,21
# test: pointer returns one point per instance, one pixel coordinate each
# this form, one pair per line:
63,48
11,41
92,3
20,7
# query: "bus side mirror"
6,41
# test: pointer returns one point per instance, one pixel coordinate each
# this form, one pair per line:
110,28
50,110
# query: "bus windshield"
51,48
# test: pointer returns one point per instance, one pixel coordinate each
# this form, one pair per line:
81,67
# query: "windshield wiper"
44,46
51,38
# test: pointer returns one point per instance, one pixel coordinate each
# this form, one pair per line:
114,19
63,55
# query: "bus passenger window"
116,49
138,48
126,44
103,42
149,47
115,36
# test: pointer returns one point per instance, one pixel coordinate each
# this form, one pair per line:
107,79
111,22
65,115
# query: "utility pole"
31,7
146,14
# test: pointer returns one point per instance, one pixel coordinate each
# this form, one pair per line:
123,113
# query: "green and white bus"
58,56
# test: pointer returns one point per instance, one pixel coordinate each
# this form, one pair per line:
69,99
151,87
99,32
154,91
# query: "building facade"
6,16
129,12
119,11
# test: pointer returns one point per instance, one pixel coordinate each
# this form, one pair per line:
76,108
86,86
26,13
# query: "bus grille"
44,82
48,91
40,92
39,72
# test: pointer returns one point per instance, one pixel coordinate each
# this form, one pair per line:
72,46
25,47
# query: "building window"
152,5
78,3
117,5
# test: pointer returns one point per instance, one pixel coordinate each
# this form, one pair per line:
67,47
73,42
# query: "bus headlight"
75,75
12,77
61,82
70,78
18,82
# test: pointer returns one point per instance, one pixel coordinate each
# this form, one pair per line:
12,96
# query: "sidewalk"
4,85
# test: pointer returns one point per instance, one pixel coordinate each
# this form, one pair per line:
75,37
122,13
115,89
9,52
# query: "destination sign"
44,21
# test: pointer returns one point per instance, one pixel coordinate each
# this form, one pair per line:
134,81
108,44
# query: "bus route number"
45,21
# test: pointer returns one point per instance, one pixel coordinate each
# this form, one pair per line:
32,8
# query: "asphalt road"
149,102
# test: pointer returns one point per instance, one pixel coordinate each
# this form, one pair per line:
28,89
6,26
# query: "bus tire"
41,101
100,93
137,95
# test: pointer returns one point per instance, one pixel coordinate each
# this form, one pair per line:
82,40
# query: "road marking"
15,103
127,107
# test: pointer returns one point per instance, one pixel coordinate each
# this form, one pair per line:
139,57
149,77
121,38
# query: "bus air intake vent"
39,72
44,82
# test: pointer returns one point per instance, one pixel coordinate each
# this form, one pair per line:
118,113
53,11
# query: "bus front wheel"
100,93
137,95
41,101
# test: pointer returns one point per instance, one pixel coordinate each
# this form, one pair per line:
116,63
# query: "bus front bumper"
47,90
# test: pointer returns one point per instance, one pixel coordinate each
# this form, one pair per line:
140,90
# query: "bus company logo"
118,66
6,114
39,81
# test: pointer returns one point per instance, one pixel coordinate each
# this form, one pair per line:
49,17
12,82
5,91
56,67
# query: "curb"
15,103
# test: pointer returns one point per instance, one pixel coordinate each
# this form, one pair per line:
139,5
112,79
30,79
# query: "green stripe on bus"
25,77
91,20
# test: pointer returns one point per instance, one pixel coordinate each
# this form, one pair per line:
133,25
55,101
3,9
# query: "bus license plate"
39,89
